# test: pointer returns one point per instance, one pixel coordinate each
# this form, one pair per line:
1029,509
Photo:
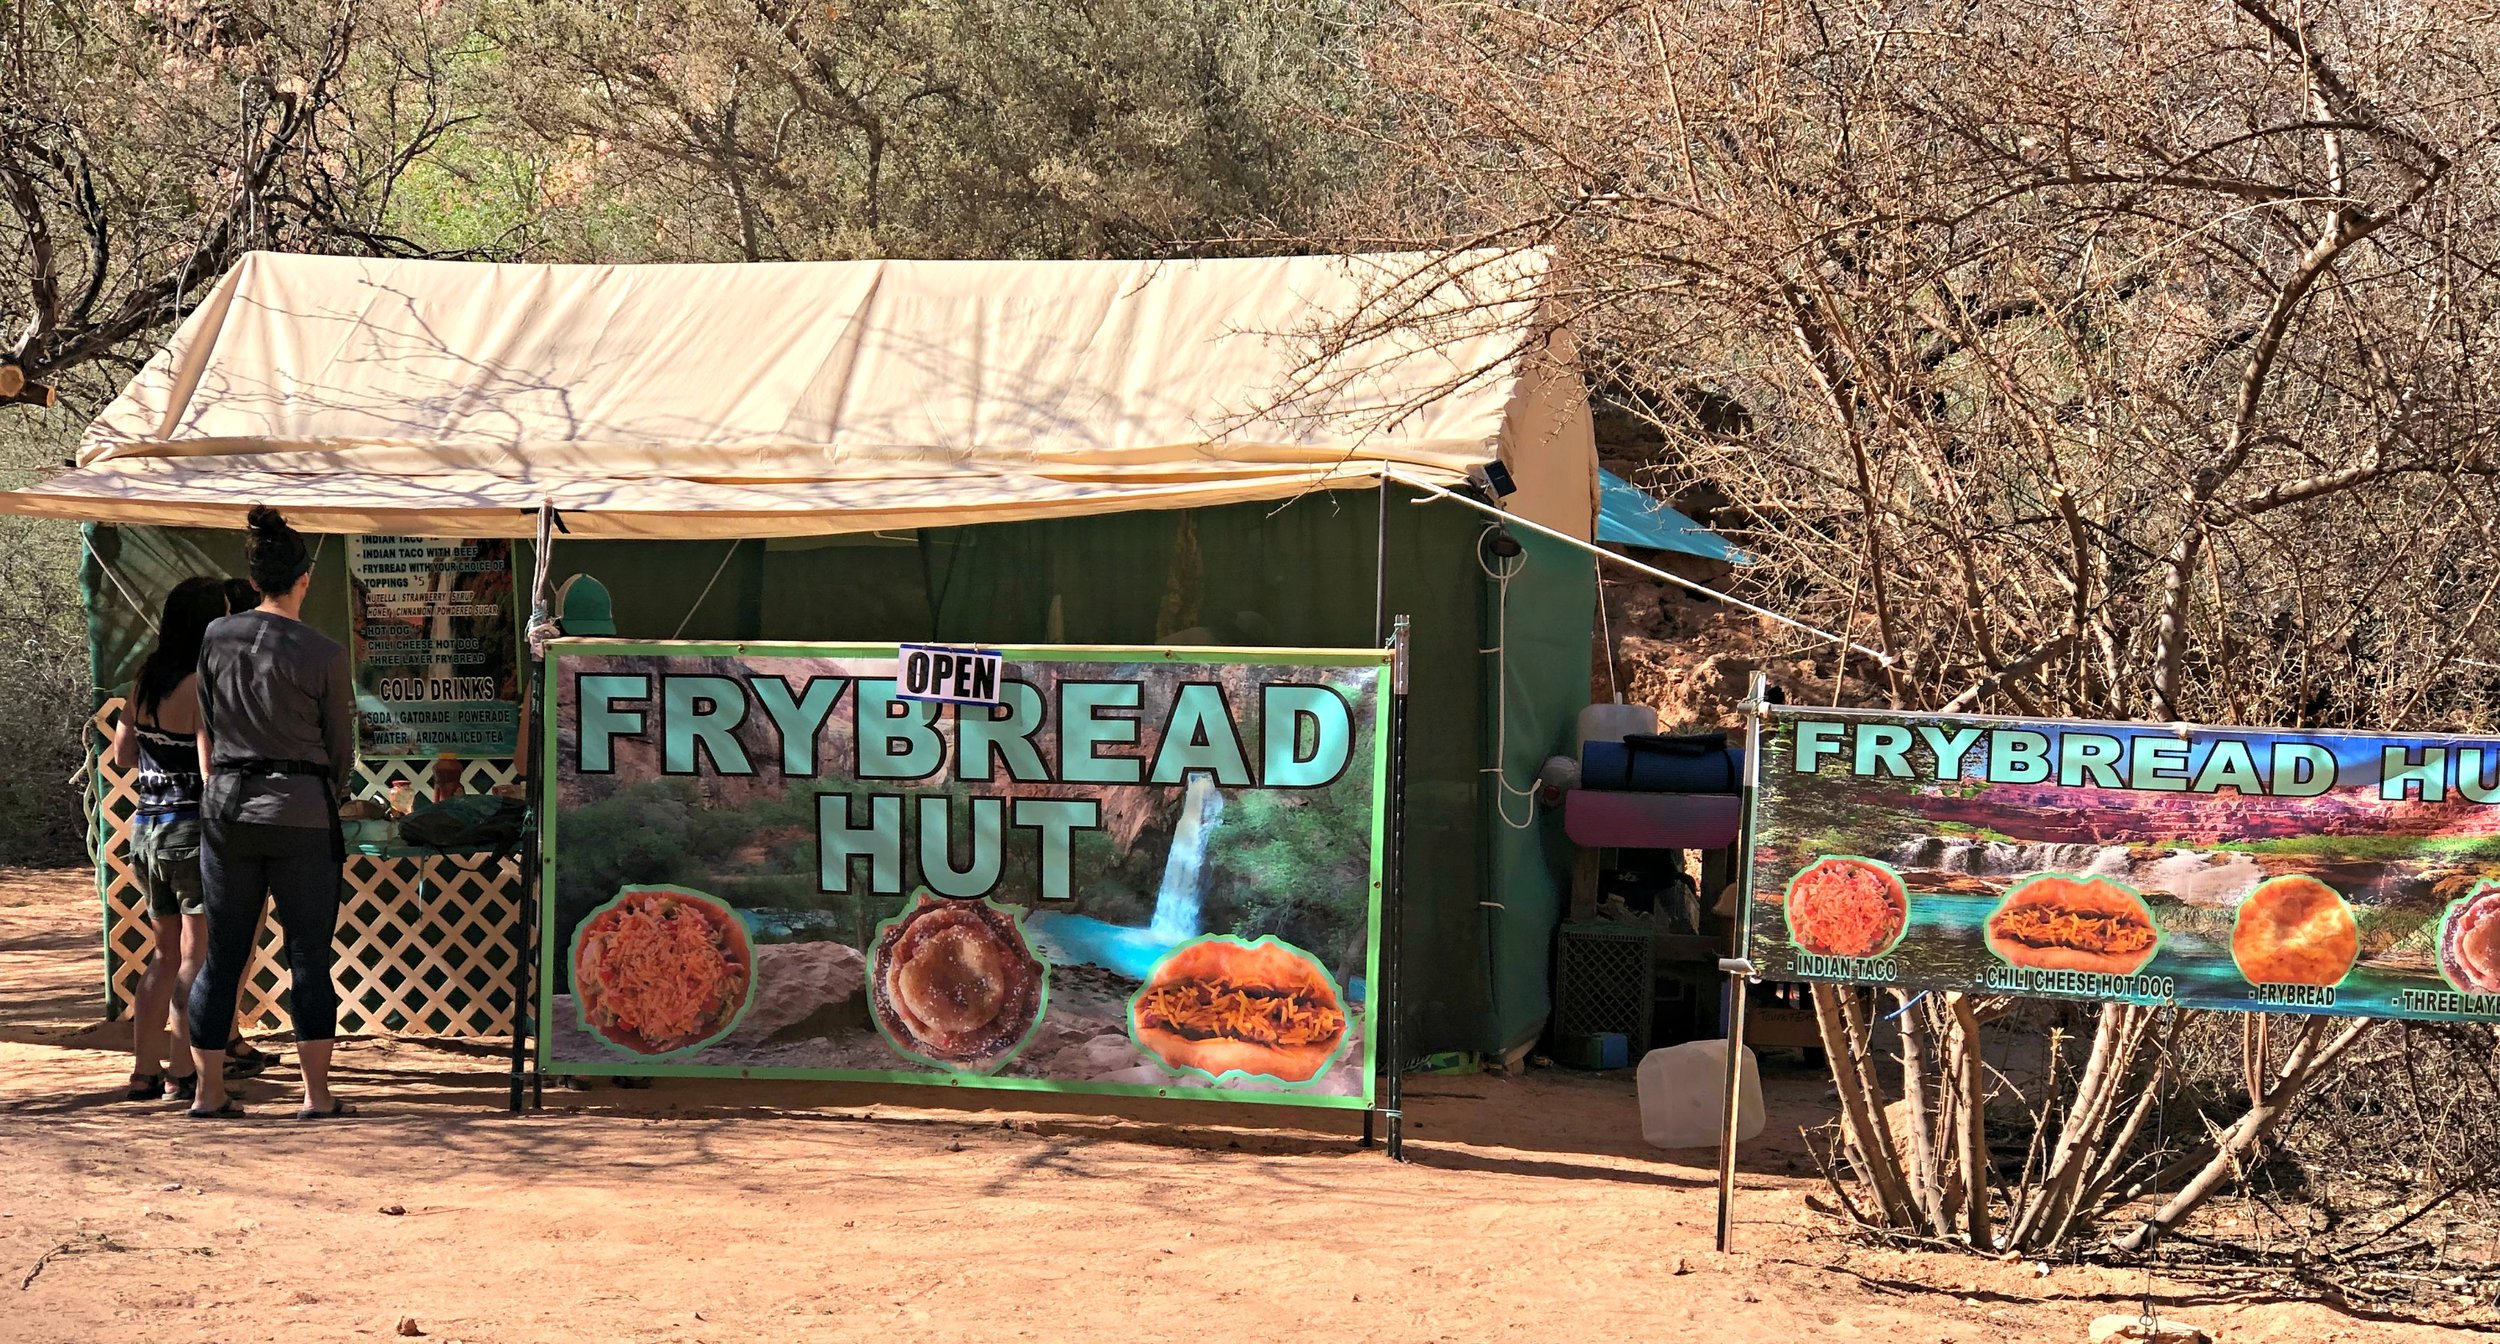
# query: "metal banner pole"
524,918
1739,968
542,625
1394,873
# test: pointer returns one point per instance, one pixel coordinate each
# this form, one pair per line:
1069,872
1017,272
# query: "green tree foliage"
145,146
754,129
43,666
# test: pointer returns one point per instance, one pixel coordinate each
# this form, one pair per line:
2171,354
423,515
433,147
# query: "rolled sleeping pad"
1643,765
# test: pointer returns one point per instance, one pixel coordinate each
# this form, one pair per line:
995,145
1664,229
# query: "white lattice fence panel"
127,936
424,945
430,962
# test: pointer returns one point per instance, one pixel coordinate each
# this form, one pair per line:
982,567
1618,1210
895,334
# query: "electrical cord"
1502,574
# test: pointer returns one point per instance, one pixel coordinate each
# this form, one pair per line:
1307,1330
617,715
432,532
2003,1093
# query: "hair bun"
274,553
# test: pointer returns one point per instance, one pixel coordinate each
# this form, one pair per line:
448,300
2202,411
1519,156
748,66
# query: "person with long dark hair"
277,741
158,737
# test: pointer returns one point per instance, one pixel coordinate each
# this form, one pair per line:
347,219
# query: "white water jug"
1683,1090
1613,723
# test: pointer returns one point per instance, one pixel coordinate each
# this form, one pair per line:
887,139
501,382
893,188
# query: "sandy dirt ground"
711,1211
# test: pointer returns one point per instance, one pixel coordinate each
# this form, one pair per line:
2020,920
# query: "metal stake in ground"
1739,968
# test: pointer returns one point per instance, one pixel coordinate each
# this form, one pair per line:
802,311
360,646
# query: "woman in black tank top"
158,736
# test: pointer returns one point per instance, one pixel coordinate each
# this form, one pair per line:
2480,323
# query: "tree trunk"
1917,1066
1862,1122
1971,1134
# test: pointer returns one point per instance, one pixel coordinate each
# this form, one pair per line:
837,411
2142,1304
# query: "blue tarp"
1631,516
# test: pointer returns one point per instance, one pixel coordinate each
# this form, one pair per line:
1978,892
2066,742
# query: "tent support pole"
1739,968
1514,520
1380,566
1395,1000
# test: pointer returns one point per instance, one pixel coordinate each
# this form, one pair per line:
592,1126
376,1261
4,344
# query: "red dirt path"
755,1212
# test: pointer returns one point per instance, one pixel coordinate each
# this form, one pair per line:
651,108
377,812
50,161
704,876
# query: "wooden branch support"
15,390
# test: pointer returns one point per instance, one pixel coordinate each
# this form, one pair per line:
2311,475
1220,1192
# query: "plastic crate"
1602,982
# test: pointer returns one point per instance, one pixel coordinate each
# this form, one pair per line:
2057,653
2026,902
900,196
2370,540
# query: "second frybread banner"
1141,872
2207,867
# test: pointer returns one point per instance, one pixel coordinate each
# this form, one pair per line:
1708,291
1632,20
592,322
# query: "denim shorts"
167,855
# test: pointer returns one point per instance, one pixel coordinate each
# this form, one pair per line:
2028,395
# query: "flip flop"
228,1111
337,1108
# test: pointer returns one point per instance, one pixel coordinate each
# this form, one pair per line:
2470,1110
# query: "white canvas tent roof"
450,399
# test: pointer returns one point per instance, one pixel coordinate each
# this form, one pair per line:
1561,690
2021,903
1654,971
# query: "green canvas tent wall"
1135,453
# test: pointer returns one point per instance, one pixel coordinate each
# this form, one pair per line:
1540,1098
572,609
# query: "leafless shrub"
2116,359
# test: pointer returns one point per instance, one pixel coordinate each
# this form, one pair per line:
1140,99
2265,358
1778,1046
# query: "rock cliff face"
1690,658
1684,655
2122,816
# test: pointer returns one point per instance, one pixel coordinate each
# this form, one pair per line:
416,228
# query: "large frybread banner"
1141,872
2207,867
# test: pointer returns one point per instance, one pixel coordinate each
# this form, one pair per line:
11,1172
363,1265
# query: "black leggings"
242,865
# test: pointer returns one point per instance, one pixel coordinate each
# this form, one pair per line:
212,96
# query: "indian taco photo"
659,970
954,983
1844,906
2295,931
2058,922
2469,942
1222,1006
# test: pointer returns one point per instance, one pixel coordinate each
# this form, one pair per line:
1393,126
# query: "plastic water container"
1683,1090
1610,723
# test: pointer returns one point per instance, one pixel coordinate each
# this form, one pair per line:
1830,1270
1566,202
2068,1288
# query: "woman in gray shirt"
276,742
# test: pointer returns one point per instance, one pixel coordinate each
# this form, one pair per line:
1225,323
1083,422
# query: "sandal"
184,1088
227,1111
145,1087
337,1108
242,1061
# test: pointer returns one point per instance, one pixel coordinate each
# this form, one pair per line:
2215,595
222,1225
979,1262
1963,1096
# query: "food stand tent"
999,452
450,398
